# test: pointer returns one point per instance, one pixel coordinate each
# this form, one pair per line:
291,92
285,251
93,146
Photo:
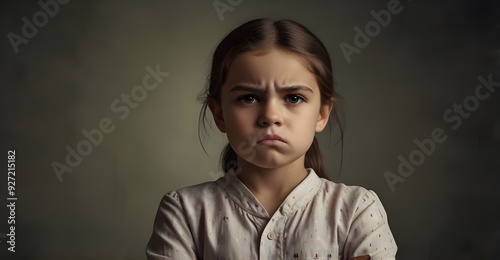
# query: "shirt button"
272,236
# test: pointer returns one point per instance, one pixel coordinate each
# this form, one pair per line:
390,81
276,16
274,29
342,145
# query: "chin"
267,161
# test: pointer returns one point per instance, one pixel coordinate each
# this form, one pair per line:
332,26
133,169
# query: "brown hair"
287,36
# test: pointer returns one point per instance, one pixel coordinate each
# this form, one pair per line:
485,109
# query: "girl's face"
270,109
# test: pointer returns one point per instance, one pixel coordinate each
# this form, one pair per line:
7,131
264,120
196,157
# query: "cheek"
308,131
238,131
306,128
237,121
307,136
307,119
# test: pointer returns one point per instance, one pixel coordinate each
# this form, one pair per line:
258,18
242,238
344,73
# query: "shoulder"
206,193
186,204
350,193
194,193
352,199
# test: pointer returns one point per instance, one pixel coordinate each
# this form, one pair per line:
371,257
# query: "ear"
324,115
216,109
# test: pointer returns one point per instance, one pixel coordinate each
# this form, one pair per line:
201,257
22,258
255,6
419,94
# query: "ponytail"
313,159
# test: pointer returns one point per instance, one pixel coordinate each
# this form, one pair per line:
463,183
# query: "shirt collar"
242,196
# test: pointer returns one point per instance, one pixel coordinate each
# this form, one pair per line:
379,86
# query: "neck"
277,182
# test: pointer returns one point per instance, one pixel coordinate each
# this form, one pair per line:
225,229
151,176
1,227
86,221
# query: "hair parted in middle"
291,38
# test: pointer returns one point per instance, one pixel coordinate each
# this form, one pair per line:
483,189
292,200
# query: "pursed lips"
271,138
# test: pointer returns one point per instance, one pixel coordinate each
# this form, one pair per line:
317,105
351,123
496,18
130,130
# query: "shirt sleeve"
171,238
369,233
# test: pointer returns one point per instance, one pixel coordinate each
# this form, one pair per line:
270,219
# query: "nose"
270,115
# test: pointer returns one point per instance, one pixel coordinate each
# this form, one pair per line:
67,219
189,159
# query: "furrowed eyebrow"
296,88
293,88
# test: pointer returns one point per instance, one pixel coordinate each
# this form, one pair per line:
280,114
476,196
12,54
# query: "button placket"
270,240
272,236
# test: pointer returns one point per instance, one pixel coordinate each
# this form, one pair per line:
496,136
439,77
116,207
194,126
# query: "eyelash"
301,98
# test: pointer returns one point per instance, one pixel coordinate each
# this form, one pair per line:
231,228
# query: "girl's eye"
248,99
294,99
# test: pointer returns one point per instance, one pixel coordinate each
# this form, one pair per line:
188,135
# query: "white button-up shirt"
319,219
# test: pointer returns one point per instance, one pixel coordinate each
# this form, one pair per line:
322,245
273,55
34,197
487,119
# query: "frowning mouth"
271,139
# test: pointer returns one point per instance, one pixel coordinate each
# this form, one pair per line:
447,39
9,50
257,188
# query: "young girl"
270,91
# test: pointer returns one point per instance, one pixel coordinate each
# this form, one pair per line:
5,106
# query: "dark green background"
396,89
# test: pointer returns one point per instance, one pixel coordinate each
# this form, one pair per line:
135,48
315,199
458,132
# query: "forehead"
270,66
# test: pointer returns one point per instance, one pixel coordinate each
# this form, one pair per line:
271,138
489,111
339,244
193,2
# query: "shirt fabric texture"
319,219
